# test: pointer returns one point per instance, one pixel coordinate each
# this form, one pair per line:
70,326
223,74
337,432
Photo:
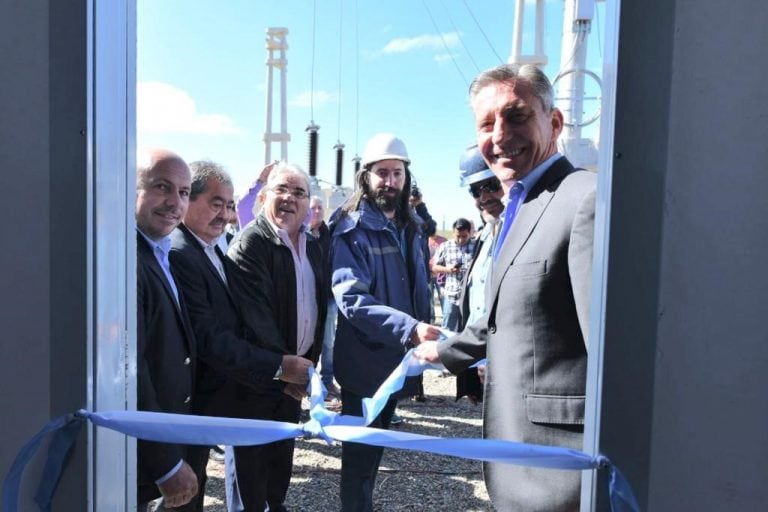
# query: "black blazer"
165,355
226,347
265,269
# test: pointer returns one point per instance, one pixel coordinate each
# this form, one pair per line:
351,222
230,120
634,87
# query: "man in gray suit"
536,326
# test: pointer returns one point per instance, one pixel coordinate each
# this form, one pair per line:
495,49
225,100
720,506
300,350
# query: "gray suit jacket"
534,336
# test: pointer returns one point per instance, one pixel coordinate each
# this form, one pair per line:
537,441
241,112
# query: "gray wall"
684,411
43,305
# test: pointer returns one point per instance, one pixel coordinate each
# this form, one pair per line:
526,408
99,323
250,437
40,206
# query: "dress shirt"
210,250
306,305
480,272
526,184
160,249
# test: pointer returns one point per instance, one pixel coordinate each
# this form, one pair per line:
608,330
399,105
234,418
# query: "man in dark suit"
284,295
537,322
233,367
165,349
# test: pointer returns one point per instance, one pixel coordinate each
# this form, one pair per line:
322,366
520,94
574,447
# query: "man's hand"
295,370
264,176
424,332
180,488
481,373
295,391
427,351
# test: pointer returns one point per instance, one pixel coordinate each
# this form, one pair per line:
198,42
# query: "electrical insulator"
312,129
339,147
357,168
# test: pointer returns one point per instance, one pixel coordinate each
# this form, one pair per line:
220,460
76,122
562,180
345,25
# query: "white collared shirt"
306,303
210,250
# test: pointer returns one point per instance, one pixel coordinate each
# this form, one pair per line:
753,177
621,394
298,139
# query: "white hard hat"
384,146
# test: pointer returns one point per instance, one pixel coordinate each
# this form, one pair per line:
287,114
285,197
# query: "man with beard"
283,280
536,327
380,284
232,365
486,190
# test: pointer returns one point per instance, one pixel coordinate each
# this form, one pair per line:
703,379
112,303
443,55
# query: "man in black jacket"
233,367
284,284
165,347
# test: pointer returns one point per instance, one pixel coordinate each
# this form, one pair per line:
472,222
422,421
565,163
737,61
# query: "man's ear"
557,121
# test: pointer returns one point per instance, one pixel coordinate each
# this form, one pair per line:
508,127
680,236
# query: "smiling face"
514,132
162,195
211,210
489,199
282,206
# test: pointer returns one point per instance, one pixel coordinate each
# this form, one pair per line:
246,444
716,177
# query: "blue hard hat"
472,167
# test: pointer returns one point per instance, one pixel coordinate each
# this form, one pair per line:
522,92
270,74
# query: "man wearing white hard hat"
380,285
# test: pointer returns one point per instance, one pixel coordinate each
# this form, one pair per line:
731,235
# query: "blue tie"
509,216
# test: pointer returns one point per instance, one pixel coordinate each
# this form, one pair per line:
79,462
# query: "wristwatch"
278,373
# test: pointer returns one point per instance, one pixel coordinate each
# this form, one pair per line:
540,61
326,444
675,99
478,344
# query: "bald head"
163,183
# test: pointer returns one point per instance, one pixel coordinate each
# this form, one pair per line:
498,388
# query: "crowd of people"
231,320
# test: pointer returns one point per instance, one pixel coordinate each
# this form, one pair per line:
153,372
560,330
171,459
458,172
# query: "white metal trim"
600,258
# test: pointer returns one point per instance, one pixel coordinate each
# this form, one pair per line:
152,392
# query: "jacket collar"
265,228
367,216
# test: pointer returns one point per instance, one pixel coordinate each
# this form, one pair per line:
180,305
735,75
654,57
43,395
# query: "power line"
312,74
341,41
458,33
445,45
483,32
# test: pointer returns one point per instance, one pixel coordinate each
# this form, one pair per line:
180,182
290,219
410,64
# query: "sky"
401,66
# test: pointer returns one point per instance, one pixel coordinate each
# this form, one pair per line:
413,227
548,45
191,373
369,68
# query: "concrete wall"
43,304
684,411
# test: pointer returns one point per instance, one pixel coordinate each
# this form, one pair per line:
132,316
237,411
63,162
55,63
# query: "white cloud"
304,99
442,57
431,41
163,108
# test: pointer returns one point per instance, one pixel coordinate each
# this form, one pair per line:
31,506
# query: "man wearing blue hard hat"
486,190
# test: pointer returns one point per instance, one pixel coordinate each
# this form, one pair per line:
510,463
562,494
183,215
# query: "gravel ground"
407,480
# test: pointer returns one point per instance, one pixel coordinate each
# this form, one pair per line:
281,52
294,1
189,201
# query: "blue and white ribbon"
325,424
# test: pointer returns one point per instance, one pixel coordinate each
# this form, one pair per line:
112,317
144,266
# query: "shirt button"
187,361
188,399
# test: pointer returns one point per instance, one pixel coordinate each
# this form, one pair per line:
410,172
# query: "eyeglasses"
298,193
490,187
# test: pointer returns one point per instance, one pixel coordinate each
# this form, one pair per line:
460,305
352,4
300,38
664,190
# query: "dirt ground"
407,481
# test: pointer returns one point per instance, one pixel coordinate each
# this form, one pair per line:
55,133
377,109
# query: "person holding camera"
453,258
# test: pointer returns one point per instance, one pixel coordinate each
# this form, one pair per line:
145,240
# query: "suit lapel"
536,203
193,242
154,267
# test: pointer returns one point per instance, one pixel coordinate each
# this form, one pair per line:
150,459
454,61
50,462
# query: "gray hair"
202,171
541,87
282,169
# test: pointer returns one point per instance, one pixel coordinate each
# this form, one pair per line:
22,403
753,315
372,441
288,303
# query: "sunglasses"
490,187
